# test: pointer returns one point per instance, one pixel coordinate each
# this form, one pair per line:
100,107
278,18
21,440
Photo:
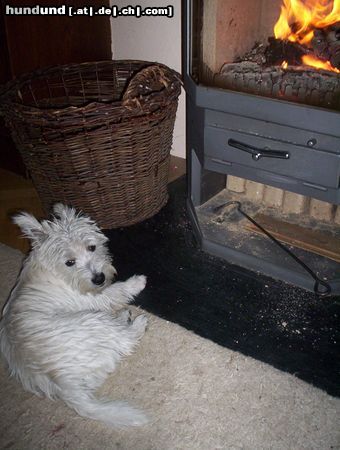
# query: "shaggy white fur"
58,334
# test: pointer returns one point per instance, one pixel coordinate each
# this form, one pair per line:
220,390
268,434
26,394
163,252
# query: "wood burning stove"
253,138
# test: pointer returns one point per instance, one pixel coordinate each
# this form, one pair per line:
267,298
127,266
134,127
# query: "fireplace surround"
254,142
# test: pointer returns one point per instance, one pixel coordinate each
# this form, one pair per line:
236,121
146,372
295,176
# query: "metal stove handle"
258,153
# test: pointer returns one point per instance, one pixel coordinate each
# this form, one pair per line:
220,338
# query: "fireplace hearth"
274,147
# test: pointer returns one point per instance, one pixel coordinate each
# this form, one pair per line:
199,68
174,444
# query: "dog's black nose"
98,279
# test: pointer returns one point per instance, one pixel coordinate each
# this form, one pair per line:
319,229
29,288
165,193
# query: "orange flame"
299,18
310,60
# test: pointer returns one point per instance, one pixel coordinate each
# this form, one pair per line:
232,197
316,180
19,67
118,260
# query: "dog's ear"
30,226
64,212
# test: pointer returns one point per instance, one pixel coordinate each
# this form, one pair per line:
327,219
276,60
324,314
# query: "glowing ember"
284,65
299,19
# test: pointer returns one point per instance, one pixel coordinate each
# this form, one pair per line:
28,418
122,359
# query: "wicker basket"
97,136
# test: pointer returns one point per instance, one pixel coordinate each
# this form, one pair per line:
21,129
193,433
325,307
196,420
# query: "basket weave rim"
6,93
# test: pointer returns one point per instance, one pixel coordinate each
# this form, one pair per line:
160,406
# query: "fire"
299,18
310,60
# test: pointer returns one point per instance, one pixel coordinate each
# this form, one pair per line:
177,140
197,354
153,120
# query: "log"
260,70
275,52
326,44
301,84
256,55
279,50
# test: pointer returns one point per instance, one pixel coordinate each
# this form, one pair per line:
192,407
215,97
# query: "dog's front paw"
139,325
135,284
125,316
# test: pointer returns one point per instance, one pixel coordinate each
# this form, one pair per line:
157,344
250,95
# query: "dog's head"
71,247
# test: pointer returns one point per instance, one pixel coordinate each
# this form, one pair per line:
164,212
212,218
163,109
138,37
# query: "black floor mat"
282,325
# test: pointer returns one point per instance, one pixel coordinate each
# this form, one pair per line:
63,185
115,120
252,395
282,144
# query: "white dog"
58,332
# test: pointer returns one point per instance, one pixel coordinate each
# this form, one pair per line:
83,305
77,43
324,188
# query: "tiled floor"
17,193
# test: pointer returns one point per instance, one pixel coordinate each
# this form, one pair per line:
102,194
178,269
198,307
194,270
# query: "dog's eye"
70,262
91,248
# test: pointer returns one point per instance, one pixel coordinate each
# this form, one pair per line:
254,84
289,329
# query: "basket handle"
150,80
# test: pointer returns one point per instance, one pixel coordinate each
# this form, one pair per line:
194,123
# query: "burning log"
301,63
316,25
300,84
326,44
279,50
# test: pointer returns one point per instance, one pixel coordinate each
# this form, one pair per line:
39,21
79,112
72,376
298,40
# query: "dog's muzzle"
98,279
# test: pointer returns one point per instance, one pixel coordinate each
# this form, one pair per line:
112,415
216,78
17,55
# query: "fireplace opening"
263,99
288,49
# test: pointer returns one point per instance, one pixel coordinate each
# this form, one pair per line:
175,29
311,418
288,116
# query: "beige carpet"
197,394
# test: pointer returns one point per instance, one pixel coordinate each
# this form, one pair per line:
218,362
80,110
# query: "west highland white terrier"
58,333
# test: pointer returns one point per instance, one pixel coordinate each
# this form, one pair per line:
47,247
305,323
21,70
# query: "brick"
236,184
273,197
254,191
321,210
337,215
295,203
